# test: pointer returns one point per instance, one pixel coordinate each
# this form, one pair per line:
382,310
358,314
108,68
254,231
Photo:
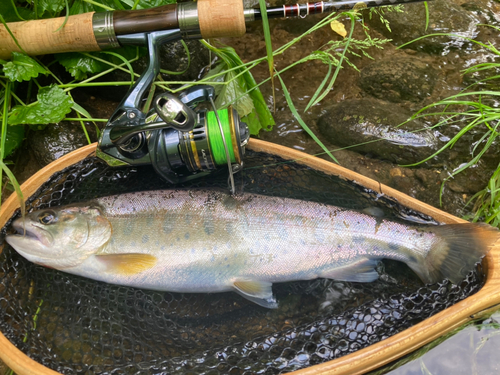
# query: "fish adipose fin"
259,292
127,264
458,249
362,271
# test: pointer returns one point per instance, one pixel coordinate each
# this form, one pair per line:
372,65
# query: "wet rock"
444,17
487,10
55,141
373,125
471,180
173,57
398,79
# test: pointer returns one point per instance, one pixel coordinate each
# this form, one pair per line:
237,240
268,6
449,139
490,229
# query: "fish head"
60,237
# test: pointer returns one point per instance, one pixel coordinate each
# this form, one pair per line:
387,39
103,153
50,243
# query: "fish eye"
47,218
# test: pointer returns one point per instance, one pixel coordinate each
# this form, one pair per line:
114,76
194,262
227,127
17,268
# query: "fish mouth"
31,232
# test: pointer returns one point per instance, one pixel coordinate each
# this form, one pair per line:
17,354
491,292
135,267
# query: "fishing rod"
180,140
206,19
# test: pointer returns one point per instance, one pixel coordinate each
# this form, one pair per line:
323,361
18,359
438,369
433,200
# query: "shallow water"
471,351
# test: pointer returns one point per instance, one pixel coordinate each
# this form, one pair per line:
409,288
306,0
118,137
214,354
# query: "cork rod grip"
221,18
40,36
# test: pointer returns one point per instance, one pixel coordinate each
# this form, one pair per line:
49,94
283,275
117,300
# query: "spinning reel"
179,138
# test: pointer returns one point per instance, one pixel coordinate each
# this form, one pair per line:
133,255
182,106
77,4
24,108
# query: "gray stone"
373,125
444,17
55,141
398,79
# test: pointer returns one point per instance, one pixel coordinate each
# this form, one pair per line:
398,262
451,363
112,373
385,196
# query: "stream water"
396,82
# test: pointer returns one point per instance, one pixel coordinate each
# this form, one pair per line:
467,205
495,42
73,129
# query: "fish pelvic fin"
453,256
127,264
362,271
259,292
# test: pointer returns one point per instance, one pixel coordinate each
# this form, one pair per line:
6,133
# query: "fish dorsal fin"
361,271
127,264
259,292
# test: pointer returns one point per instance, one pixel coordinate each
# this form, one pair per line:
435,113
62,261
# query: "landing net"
78,326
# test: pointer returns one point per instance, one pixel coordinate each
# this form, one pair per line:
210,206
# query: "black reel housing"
179,144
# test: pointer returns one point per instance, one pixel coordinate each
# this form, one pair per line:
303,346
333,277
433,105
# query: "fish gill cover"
80,326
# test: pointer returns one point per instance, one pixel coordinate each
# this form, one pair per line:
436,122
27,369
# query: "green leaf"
81,6
8,11
52,106
248,84
22,68
50,8
253,123
13,139
79,65
232,93
145,4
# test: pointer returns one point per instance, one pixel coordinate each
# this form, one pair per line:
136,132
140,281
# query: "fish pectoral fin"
127,264
259,292
362,271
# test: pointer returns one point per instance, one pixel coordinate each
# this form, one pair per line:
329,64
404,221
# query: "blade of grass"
301,122
17,188
65,18
269,47
426,15
3,167
98,4
125,61
11,34
339,66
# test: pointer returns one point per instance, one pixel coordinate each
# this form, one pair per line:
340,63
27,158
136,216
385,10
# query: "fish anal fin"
259,292
362,271
127,264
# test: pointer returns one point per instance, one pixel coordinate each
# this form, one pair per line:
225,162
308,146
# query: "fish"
209,241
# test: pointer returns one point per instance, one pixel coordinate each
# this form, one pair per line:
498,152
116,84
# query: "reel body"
178,137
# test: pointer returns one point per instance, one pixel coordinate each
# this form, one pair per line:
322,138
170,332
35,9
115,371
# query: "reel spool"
179,156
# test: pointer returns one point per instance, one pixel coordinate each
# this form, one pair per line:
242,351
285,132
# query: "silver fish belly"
209,241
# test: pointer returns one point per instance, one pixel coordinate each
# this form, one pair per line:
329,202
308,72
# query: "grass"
474,109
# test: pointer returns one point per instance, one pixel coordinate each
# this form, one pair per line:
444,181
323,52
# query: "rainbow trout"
210,241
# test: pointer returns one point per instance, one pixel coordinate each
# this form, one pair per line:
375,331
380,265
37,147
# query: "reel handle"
174,112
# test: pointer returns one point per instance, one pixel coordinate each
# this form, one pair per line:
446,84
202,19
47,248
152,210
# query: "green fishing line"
215,137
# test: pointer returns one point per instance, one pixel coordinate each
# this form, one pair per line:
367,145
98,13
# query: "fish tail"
457,249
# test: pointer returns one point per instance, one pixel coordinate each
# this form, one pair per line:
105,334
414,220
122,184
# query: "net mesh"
79,326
